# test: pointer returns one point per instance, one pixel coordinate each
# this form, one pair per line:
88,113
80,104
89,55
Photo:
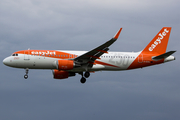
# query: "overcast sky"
151,93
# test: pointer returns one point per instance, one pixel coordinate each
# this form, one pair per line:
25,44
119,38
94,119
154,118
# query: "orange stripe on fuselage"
47,53
103,63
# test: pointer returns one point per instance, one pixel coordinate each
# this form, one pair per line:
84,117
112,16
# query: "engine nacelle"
64,64
62,74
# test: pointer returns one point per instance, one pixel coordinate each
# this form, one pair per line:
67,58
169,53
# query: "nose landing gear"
26,75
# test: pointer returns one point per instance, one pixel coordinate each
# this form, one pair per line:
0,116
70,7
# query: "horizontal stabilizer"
163,56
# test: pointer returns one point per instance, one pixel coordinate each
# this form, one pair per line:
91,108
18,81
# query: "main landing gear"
26,75
86,75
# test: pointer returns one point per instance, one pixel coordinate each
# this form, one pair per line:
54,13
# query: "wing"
89,57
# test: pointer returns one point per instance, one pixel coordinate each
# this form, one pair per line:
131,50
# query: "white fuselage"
108,61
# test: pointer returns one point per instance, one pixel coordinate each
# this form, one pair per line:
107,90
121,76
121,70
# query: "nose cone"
6,61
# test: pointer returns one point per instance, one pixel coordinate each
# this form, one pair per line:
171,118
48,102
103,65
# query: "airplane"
66,63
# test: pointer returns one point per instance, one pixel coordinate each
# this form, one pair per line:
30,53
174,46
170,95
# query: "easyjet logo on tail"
158,40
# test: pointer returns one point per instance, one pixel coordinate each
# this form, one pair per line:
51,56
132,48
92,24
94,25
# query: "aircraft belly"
98,67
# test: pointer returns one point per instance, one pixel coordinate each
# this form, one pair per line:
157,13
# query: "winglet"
117,34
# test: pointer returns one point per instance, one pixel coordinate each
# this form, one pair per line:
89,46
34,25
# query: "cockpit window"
14,54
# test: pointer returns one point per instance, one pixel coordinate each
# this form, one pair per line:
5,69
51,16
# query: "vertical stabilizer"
159,43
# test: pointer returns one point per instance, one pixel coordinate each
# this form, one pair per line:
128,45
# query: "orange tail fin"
159,43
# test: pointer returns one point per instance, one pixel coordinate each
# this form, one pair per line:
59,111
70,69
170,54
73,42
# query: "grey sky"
143,94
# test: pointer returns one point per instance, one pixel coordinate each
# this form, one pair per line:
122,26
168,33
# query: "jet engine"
60,74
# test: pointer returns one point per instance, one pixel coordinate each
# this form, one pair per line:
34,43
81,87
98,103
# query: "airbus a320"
66,63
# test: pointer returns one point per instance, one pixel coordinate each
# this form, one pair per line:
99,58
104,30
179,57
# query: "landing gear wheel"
83,80
86,74
25,76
